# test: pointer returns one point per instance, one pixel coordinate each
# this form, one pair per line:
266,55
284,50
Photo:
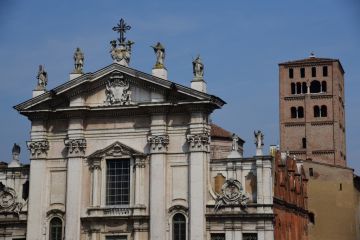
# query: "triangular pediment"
117,149
114,85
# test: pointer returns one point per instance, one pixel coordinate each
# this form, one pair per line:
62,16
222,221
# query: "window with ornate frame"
117,182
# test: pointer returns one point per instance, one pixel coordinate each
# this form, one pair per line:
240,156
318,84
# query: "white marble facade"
120,154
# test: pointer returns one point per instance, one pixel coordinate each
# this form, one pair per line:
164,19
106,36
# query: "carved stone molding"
232,193
38,148
75,146
158,142
198,141
178,208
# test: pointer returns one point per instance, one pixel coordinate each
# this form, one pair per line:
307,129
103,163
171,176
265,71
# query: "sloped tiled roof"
219,132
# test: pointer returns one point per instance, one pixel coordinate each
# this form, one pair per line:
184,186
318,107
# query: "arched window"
323,111
55,229
179,227
316,111
298,88
292,88
304,87
323,86
300,112
293,112
315,86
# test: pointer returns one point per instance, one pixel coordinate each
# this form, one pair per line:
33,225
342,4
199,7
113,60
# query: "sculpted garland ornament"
231,194
117,90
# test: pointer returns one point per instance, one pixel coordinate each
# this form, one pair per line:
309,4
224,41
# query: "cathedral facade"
122,154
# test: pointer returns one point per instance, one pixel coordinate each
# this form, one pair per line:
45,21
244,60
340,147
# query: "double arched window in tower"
297,112
320,111
302,88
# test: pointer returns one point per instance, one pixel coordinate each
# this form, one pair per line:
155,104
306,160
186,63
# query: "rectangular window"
291,73
325,71
302,72
313,71
304,142
311,172
218,236
118,182
340,187
249,236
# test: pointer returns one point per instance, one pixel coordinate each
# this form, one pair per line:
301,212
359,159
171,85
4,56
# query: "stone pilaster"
76,146
158,141
199,148
95,168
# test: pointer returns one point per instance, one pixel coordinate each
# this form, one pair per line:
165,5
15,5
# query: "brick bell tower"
312,110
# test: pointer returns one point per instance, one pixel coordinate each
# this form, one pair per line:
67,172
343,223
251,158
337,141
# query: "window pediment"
117,149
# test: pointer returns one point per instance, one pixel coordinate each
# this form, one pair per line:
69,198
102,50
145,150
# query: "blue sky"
241,43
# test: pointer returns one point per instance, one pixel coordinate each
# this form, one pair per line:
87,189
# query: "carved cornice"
198,142
158,142
75,146
38,148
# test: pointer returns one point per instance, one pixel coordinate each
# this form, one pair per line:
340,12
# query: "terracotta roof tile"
219,132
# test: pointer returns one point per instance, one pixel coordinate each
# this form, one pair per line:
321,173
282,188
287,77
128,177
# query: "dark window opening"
316,111
118,182
300,112
293,112
302,72
218,236
55,229
340,187
323,111
311,172
323,86
2,186
304,87
313,71
315,87
304,142
249,236
25,190
291,73
293,88
298,88
121,237
312,217
325,71
179,227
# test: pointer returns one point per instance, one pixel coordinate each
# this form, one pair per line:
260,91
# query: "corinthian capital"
75,146
158,142
38,148
198,142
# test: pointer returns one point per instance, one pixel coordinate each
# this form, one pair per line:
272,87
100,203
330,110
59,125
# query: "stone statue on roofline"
198,68
259,142
79,61
42,77
160,55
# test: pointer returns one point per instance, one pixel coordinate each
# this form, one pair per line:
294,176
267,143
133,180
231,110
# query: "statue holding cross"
121,52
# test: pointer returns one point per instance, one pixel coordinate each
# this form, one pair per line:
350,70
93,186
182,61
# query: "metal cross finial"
121,28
